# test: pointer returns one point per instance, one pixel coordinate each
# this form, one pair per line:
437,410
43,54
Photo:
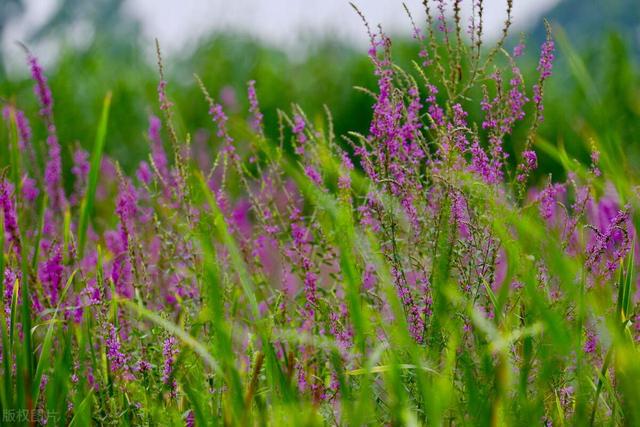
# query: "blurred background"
310,53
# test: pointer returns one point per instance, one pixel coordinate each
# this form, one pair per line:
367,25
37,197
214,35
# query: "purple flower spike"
50,273
313,174
53,167
169,352
254,108
544,67
518,50
24,129
42,88
116,358
530,158
10,216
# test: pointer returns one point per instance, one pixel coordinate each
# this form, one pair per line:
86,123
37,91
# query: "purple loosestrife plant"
410,274
254,107
9,216
53,169
41,88
544,68
158,155
51,273
122,269
22,124
169,353
115,356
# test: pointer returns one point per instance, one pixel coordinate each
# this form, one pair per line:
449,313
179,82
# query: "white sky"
285,21
180,23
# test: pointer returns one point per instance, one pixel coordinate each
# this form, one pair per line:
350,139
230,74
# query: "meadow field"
440,230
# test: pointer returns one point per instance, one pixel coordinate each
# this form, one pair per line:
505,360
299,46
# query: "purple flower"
154,129
518,50
299,126
414,318
53,167
10,216
29,189
313,174
80,164
190,421
9,281
545,64
424,54
220,119
435,111
53,174
412,121
530,158
240,217
144,173
299,233
591,343
339,330
165,104
143,366
81,171
344,180
310,290
127,203
610,245
442,20
369,277
42,88
91,379
121,269
530,163
595,160
50,273
169,352
547,199
409,206
116,358
516,101
481,165
158,155
254,108
459,214
24,130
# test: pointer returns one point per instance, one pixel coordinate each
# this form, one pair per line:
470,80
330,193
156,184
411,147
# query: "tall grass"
409,275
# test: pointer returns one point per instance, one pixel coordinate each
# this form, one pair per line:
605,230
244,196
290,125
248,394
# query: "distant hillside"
586,22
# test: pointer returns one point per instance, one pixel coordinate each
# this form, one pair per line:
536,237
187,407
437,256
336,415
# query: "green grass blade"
36,244
13,311
578,69
172,328
80,412
86,208
231,245
2,253
45,356
6,357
